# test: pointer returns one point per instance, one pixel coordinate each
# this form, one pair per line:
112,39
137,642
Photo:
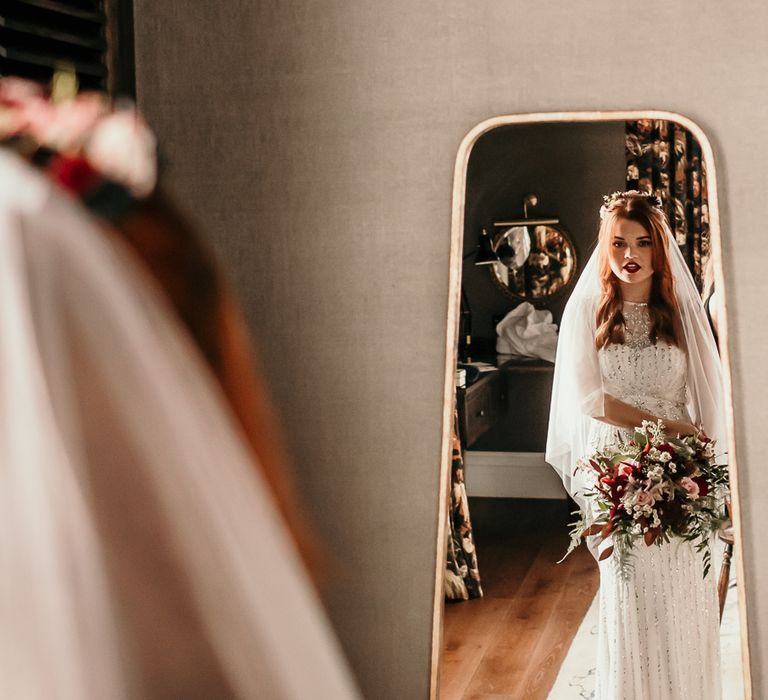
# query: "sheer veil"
577,391
141,552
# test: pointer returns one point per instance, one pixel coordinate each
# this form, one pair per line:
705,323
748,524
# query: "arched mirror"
518,623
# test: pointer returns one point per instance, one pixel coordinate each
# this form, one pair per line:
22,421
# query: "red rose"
701,482
73,174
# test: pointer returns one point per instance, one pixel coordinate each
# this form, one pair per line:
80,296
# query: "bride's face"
630,252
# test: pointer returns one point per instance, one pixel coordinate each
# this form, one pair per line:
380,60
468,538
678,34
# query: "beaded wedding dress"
658,635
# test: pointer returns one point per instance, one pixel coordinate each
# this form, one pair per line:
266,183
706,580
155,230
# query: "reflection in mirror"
535,266
517,623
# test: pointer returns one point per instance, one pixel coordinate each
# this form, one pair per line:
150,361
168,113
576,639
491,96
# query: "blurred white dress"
141,554
658,635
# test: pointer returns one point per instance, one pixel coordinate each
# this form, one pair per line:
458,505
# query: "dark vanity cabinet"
529,388
507,410
481,406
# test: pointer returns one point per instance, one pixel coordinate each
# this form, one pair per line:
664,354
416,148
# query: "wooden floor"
510,643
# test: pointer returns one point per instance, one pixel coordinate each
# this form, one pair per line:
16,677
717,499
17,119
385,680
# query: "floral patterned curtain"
664,159
462,576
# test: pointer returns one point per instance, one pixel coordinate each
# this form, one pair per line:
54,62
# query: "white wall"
316,142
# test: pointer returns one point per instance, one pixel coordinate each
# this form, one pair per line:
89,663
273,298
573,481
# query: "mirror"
516,623
536,263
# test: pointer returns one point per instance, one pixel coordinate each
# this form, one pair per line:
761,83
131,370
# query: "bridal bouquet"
653,488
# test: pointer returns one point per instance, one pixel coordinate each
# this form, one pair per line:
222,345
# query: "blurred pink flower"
18,90
72,120
23,106
690,487
643,498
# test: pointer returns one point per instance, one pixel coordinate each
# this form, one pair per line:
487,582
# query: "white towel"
527,331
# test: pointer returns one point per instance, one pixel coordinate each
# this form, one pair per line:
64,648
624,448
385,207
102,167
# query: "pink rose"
643,498
689,486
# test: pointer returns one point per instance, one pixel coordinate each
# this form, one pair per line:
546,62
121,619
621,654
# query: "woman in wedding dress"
635,345
145,549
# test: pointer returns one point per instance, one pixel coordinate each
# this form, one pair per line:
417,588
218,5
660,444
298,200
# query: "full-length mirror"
591,418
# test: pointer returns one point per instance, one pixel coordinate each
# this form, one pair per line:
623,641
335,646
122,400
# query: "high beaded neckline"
636,325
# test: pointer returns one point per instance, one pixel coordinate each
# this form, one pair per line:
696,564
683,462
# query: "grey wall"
569,167
316,141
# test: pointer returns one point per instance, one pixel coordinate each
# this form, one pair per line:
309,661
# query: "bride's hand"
680,427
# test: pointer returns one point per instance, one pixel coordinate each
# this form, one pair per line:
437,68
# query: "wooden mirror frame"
454,293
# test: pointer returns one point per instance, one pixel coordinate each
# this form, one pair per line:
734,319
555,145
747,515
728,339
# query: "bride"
147,544
635,345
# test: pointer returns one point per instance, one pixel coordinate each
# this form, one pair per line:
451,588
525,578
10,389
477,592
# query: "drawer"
480,407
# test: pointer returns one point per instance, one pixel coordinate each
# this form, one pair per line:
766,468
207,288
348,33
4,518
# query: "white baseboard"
511,475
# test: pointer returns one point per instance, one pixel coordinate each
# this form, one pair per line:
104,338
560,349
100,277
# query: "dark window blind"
38,36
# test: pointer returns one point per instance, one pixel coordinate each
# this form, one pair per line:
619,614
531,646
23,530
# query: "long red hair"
662,304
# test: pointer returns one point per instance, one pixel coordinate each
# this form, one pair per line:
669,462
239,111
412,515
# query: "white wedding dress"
658,635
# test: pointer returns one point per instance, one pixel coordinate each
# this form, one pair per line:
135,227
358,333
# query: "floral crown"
609,200
106,156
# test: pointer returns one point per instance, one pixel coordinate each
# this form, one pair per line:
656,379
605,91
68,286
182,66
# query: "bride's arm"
624,415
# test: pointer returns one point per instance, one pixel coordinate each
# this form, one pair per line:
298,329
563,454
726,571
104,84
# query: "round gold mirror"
536,263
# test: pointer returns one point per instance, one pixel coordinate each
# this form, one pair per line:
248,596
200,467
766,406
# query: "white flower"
665,457
123,149
658,490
